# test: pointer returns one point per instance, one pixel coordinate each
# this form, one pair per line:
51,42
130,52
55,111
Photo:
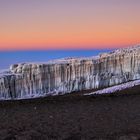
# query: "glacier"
29,80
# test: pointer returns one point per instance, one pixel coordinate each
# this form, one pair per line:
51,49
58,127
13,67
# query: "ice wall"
72,74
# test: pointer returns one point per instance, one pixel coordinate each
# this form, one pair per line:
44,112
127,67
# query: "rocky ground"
73,117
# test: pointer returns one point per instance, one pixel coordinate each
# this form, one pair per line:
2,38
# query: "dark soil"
73,117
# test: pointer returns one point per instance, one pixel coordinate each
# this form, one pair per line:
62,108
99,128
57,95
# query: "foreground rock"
73,117
73,74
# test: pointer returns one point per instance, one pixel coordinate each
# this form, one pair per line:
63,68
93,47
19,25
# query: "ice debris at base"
116,88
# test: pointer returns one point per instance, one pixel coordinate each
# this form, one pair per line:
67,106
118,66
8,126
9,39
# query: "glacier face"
62,76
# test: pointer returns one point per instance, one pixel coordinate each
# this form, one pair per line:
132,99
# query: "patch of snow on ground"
116,88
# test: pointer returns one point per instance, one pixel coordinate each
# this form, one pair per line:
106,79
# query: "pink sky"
73,24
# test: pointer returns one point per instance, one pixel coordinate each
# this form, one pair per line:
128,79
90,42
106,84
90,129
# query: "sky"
68,24
8,58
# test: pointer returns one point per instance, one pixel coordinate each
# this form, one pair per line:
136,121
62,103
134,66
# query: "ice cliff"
62,76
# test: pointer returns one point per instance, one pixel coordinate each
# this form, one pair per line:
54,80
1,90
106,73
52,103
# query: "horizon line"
67,48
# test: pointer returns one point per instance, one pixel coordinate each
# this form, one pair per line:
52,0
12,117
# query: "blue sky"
11,57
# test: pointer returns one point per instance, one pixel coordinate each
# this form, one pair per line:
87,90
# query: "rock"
62,76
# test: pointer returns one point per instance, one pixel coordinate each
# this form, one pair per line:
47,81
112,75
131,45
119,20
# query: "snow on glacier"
116,88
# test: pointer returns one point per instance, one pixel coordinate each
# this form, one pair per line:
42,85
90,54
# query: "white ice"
116,88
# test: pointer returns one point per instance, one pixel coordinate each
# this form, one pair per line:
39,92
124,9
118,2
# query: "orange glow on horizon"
69,25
